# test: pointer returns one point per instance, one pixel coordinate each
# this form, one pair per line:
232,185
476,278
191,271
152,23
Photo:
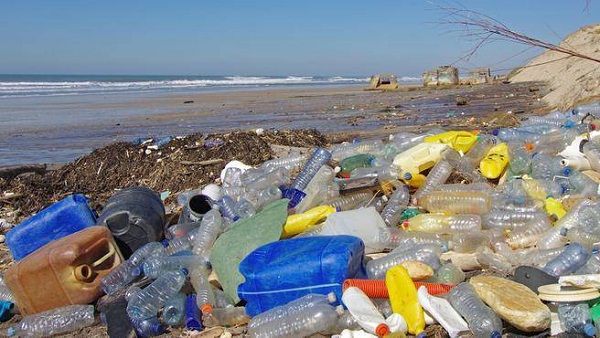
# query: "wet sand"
342,112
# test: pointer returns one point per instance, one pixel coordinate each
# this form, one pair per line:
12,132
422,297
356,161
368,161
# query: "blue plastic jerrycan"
279,272
60,219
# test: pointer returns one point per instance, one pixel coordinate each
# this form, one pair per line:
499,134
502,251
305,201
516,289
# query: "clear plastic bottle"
181,243
287,163
540,258
244,208
509,220
576,318
568,261
529,234
544,166
519,160
483,322
277,177
55,321
6,295
303,324
515,135
469,242
317,189
571,218
589,216
154,267
174,309
146,303
581,184
448,274
350,201
462,165
444,224
586,238
364,160
227,205
211,227
290,309
344,150
229,316
480,149
468,202
542,188
267,196
318,158
205,298
556,141
392,212
400,238
456,187
548,120
127,271
426,253
437,176
553,237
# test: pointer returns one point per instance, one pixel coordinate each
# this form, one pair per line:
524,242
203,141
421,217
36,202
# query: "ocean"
56,118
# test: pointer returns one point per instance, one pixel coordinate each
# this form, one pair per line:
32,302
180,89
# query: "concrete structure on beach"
443,75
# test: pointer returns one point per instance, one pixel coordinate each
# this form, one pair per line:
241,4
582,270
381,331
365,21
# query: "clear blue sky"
242,37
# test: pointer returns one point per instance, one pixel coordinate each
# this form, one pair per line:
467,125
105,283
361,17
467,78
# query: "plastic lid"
495,132
11,331
407,176
529,146
589,330
382,329
496,334
295,196
206,308
567,171
331,297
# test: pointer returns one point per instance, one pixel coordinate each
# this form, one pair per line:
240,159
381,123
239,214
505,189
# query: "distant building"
383,81
480,75
443,75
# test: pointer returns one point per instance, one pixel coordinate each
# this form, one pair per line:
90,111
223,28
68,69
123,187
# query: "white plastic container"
443,312
364,311
420,157
364,223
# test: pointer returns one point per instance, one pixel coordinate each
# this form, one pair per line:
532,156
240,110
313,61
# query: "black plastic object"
114,315
135,216
533,278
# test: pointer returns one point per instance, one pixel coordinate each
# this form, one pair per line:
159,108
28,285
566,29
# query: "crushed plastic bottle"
55,321
399,200
483,322
302,324
147,302
575,318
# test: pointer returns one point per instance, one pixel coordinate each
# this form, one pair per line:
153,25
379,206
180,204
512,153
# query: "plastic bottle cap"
11,331
206,309
589,330
422,334
407,176
382,330
529,146
567,171
495,132
331,297
496,334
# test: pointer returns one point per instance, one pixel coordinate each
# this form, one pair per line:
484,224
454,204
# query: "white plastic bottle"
364,311
443,312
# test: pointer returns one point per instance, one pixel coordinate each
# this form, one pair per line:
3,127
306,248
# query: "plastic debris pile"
368,239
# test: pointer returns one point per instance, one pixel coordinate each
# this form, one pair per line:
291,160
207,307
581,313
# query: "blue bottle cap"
407,176
567,171
192,314
589,330
295,196
11,331
495,132
165,242
496,334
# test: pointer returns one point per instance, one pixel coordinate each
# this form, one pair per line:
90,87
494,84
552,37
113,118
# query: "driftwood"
8,173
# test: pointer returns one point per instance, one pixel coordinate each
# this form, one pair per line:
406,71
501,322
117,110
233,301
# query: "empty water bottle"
509,220
227,205
437,176
318,158
244,208
303,324
444,224
568,261
55,321
468,202
344,150
287,163
229,316
155,266
146,303
211,227
469,242
398,201
575,318
205,298
351,201
483,322
174,310
267,196
127,271
426,253
529,234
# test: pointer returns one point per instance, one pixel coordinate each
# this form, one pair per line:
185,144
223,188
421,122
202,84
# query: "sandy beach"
73,126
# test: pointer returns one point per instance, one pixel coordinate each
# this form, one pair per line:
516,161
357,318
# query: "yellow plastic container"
495,162
420,157
415,181
403,298
460,140
299,223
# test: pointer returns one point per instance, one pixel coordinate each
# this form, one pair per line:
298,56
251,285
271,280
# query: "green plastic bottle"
357,161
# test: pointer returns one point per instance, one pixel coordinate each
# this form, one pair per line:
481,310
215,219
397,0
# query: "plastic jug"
282,271
460,140
404,299
135,216
65,271
495,162
62,218
420,157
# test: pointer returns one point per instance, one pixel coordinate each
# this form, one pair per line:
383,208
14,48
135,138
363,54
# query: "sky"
241,37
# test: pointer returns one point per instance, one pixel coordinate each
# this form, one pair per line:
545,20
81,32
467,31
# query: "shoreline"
342,112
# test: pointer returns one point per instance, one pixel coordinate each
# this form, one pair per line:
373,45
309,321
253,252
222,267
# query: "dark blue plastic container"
279,272
60,219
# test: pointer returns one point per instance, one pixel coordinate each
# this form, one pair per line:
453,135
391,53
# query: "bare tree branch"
483,28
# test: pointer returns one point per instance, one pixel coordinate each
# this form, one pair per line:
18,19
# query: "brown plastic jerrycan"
65,271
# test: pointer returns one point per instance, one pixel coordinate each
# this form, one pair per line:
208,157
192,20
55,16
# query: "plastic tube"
375,288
